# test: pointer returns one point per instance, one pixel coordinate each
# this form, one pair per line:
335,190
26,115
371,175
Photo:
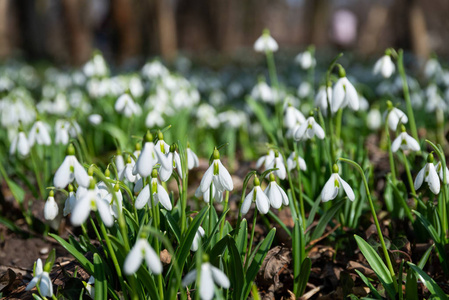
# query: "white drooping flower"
126,105
265,43
209,276
305,60
51,208
265,159
89,288
429,175
95,119
293,117
192,159
197,239
142,250
278,162
147,158
174,161
292,160
321,98
20,144
216,194
127,171
308,130
69,170
275,193
395,116
441,172
217,174
69,202
62,132
333,185
374,119
158,191
257,195
39,133
42,279
404,142
88,201
263,92
432,68
384,66
344,94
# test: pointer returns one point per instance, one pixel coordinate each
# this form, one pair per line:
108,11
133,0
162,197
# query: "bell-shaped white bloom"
165,172
69,170
265,159
42,279
39,134
216,194
275,193
218,174
293,117
89,201
321,98
441,174
126,105
292,160
305,60
209,276
263,92
396,117
119,163
257,195
20,145
333,185
61,132
197,239
141,250
429,175
127,171
374,119
278,162
265,43
192,159
51,208
308,130
69,203
384,66
147,159
89,288
95,119
344,94
404,142
432,68
159,194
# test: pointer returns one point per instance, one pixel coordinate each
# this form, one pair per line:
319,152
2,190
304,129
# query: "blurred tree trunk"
5,45
370,34
317,21
418,30
166,29
128,32
79,39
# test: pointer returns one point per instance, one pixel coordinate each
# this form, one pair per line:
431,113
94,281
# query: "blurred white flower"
42,279
384,66
321,98
429,175
308,130
266,43
141,250
262,91
39,133
20,144
69,170
292,160
305,60
396,117
277,162
51,209
209,276
192,159
374,119
432,68
197,239
293,117
333,185
304,90
404,142
126,105
344,94
95,119
62,132
440,172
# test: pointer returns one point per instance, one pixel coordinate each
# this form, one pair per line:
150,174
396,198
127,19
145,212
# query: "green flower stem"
409,175
439,116
292,188
184,202
113,257
410,114
156,222
301,200
226,200
373,212
248,254
390,153
211,206
338,119
34,159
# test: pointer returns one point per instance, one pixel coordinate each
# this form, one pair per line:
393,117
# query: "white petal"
220,278
39,269
143,198
347,188
302,164
338,96
396,143
45,285
32,283
134,258
433,180
164,173
273,195
225,177
247,203
352,96
82,209
146,160
330,191
206,286
178,164
412,143
189,278
299,134
192,159
80,174
63,175
262,201
207,179
105,213
23,147
318,130
152,259
163,197
419,178
50,209
281,172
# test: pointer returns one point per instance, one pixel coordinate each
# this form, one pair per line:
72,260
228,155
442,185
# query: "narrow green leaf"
429,227
236,269
411,286
218,250
85,263
422,262
172,224
277,220
430,284
370,285
325,219
100,279
242,238
304,274
207,244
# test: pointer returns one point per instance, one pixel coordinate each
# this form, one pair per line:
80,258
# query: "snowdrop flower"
262,91
265,159
192,159
61,132
395,116
119,162
90,200
266,43
216,194
293,117
257,195
147,158
126,105
161,149
405,142
39,133
440,172
278,162
175,163
292,161
384,66
69,170
197,239
208,276
158,191
374,119
127,171
20,145
141,250
429,175
305,60
308,130
332,187
95,119
321,98
88,286
69,202
432,68
344,94
41,278
304,90
51,207
275,193
217,174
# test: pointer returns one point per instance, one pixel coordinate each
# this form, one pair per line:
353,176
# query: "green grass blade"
100,279
85,263
430,284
